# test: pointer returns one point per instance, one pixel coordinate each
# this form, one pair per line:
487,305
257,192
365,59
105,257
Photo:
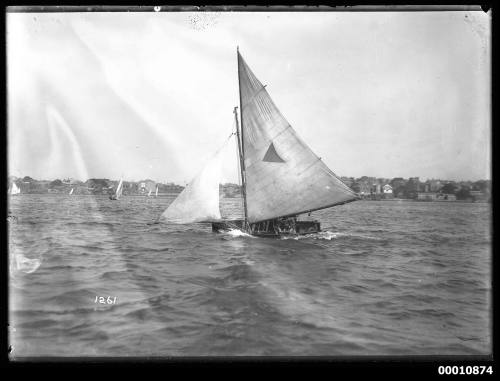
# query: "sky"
151,94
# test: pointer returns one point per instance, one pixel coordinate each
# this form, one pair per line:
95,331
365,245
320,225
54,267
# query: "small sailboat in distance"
71,191
149,193
14,189
156,194
118,192
281,176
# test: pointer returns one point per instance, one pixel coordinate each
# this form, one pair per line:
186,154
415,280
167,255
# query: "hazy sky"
151,95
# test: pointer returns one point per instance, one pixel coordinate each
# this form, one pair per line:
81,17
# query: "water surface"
383,278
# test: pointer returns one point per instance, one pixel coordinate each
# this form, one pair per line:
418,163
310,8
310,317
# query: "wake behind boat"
281,176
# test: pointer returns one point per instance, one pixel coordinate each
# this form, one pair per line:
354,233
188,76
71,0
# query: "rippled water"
383,278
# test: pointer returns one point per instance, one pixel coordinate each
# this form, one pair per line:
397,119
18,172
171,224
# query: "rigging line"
215,154
330,172
222,146
158,219
237,152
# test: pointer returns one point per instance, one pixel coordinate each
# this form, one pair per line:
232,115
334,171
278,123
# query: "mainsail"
283,176
199,200
71,191
156,195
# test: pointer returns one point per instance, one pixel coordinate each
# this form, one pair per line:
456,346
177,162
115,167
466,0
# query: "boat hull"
271,228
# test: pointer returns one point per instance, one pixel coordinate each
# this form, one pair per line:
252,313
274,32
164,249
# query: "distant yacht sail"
149,193
14,189
156,194
71,191
118,192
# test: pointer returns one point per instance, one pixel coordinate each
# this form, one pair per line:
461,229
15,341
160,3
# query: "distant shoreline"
170,195
62,194
427,201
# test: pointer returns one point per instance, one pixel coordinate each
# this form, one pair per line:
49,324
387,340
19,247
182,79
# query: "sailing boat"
156,194
149,193
281,176
71,191
118,192
14,189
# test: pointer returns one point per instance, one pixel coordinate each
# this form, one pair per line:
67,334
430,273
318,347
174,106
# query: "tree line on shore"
399,187
97,186
410,188
93,186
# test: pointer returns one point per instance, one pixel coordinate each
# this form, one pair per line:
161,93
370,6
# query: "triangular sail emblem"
272,156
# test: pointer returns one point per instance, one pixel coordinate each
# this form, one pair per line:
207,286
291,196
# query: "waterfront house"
387,191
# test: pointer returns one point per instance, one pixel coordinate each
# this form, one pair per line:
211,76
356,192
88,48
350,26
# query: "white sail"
199,201
156,191
71,191
149,193
119,189
15,189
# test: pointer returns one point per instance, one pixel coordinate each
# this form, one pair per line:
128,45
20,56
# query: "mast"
241,146
242,163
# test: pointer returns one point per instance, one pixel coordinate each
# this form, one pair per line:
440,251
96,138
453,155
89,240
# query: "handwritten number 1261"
103,300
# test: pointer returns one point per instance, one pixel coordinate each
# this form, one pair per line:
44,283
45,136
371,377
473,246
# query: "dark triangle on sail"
302,182
272,156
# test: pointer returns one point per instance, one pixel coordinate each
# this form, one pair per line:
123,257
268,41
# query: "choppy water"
383,278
